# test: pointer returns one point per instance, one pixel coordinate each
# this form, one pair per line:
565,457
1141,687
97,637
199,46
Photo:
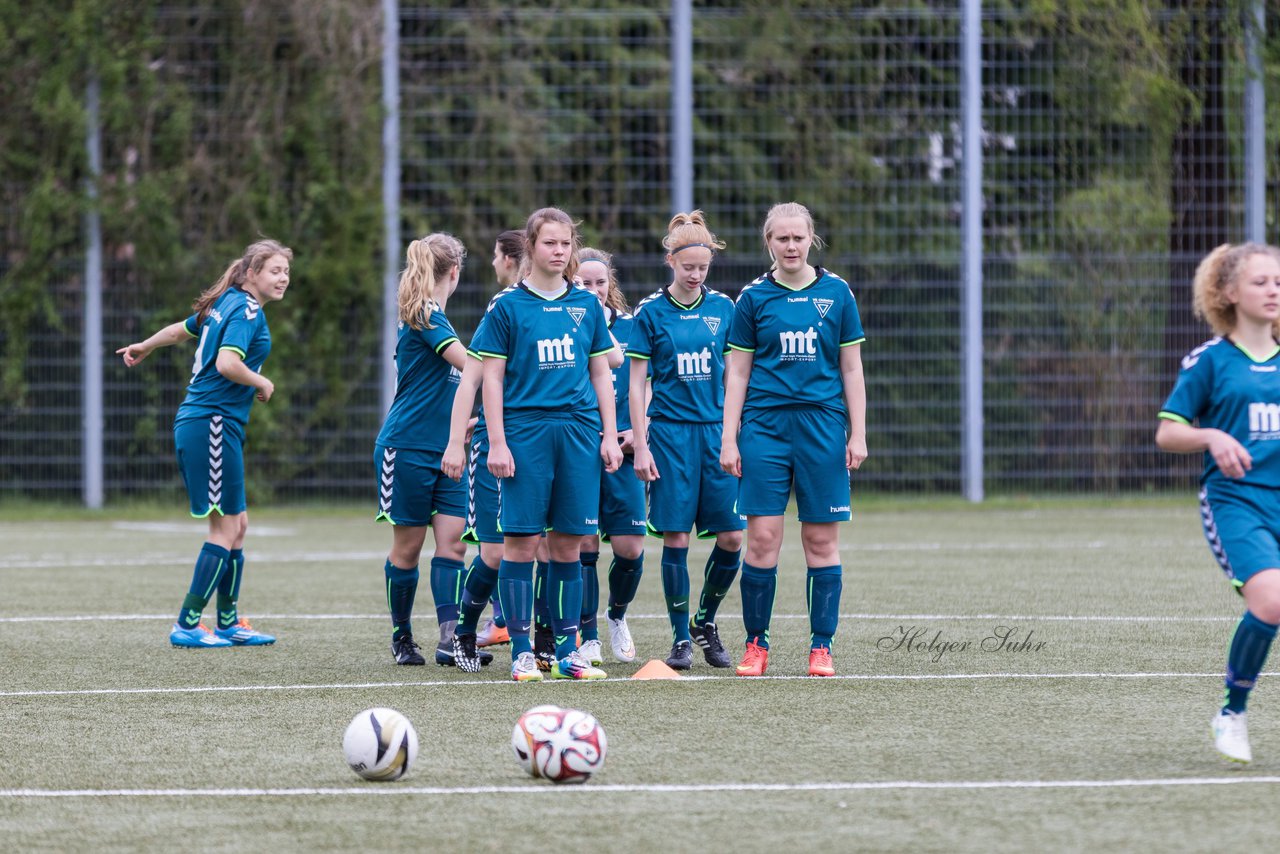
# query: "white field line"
660,788
502,681
1048,618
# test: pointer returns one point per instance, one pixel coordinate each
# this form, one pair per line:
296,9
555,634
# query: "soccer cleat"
754,661
464,653
820,663
492,634
1231,736
592,652
624,648
198,638
575,666
445,651
681,657
243,634
544,646
708,637
406,651
525,668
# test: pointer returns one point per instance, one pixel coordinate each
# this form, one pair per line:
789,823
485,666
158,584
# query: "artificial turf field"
1089,729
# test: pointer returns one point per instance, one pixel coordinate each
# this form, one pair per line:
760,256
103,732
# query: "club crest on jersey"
577,314
823,306
713,323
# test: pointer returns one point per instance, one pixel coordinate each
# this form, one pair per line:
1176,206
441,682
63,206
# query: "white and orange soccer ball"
560,745
380,744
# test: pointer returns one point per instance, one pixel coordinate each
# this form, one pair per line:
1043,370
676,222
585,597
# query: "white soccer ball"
560,745
380,744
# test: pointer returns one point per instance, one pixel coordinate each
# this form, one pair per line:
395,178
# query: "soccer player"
548,406
622,518
482,488
208,431
412,493
794,412
1225,404
679,338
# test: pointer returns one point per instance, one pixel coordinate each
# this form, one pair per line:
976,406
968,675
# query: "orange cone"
655,669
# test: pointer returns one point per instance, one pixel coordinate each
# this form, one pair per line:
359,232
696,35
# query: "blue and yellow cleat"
243,634
575,666
198,638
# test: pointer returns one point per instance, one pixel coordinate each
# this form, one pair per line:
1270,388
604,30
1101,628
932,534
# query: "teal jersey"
685,346
546,344
795,336
1220,386
235,322
425,384
620,326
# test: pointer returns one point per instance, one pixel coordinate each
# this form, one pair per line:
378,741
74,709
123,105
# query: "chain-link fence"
1112,148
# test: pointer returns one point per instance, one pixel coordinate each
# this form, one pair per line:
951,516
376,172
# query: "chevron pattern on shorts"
215,460
387,479
1212,536
472,458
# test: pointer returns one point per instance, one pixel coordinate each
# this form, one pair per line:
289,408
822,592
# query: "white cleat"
592,652
1231,736
624,648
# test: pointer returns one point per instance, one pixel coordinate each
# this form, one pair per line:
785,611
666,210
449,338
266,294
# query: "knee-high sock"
624,581
590,595
402,586
717,579
675,587
1249,648
564,600
446,583
479,585
515,586
823,592
229,590
210,565
758,586
541,614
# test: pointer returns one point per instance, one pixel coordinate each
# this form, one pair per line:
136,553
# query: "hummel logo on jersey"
215,314
694,365
556,352
823,306
577,314
1263,369
713,323
1264,421
798,345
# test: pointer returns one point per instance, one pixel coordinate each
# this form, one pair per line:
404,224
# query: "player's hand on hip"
854,453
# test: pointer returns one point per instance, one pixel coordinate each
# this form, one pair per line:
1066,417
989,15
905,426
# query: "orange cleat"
754,661
820,663
491,634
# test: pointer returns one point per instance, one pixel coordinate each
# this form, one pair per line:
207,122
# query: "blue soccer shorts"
210,453
803,446
692,492
557,481
482,496
412,489
1242,526
622,502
